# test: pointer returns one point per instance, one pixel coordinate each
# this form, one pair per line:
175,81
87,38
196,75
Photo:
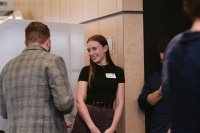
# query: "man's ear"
49,42
25,43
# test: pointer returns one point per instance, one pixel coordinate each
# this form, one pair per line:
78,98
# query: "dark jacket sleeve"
142,99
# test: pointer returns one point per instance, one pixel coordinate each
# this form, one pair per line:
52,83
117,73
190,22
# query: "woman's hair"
192,8
102,41
36,32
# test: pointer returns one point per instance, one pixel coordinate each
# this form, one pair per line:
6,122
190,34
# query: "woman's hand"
94,129
110,130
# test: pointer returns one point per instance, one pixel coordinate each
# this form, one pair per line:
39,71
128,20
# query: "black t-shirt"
104,84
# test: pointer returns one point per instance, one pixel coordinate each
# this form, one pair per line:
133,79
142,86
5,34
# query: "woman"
99,85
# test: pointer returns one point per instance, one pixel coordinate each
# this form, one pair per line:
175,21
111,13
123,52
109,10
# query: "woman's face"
97,52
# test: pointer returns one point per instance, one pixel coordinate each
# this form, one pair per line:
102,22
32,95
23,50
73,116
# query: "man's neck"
196,25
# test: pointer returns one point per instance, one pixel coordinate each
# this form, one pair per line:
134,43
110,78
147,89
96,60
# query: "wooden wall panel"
134,71
65,11
38,10
108,28
76,11
73,11
26,11
16,5
120,62
120,40
19,5
54,10
90,30
133,5
119,5
46,10
32,9
90,9
107,7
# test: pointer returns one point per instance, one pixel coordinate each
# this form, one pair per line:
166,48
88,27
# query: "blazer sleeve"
142,99
59,86
3,107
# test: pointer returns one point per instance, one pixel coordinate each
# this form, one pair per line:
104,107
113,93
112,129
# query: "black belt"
100,104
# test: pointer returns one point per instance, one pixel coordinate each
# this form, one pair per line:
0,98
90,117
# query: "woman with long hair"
100,85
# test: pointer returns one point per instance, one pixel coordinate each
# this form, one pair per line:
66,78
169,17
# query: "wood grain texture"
134,71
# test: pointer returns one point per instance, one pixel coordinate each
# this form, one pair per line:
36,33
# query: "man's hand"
155,96
68,124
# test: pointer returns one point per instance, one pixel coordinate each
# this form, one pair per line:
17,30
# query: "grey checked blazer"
35,92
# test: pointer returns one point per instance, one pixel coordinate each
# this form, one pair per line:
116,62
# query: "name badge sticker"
110,75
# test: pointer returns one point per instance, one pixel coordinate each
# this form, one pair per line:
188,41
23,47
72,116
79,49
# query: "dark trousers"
102,118
1,131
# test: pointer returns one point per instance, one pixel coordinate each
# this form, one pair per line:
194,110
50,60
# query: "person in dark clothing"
157,118
100,85
181,75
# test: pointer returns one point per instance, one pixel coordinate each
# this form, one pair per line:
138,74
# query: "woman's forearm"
117,115
83,112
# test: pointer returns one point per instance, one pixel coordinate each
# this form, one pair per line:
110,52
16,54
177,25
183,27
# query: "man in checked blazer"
34,87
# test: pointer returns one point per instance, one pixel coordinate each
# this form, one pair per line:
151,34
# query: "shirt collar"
34,47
